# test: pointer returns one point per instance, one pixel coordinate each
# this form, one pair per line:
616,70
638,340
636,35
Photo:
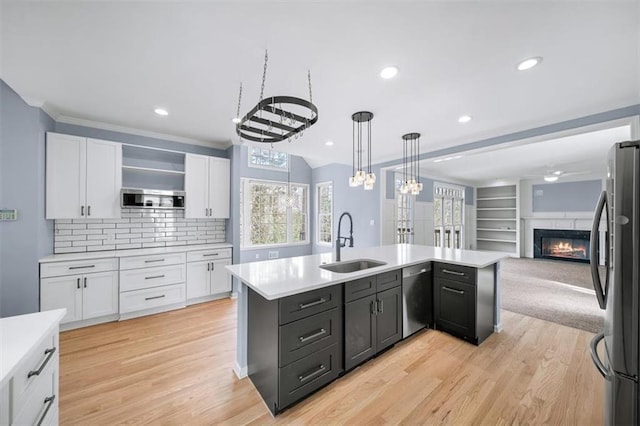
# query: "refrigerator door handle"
593,348
593,252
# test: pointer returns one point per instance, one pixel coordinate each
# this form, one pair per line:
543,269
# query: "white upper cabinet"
207,181
83,178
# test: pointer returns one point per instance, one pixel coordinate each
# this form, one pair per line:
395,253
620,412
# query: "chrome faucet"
342,241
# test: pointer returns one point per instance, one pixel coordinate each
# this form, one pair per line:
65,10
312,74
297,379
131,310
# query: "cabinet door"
62,292
99,294
196,186
219,182
220,278
455,307
65,177
389,318
104,179
359,331
198,279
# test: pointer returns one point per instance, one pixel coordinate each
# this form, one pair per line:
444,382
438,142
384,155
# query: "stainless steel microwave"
151,199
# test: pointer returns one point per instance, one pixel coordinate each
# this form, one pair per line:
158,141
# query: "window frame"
317,214
446,191
245,212
266,166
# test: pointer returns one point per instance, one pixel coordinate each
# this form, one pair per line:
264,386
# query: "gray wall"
22,180
580,196
364,206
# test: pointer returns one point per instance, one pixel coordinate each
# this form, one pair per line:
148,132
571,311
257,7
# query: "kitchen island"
300,326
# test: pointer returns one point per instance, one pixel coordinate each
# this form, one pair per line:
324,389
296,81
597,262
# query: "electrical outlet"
273,255
372,222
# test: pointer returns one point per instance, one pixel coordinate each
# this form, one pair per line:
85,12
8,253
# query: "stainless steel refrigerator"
617,287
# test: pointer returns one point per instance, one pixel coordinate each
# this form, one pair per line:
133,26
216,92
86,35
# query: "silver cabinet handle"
49,401
453,290
82,267
381,306
85,282
154,260
49,353
88,210
154,297
210,254
374,307
312,336
154,277
78,282
446,271
317,302
81,210
319,370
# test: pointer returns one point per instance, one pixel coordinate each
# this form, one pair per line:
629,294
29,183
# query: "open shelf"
497,223
152,170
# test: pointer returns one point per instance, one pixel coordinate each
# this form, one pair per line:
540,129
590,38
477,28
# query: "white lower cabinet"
207,277
86,296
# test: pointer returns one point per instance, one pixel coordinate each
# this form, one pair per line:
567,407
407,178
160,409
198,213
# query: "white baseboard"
241,372
89,322
152,311
208,298
497,328
234,295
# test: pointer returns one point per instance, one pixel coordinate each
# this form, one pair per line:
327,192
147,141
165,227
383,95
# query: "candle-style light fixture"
411,170
362,122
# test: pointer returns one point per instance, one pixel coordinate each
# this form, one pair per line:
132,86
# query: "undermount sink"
352,265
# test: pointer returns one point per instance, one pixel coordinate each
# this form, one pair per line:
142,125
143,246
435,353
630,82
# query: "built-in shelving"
497,223
152,168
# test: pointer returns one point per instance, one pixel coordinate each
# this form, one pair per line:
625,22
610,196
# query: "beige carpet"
555,291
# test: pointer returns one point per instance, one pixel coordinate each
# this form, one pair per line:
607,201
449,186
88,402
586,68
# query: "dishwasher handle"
412,272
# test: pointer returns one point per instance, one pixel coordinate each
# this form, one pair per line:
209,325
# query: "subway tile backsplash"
138,228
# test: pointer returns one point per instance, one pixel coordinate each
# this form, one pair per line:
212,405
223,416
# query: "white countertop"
20,334
273,279
131,252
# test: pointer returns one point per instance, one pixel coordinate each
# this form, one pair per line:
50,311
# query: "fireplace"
561,244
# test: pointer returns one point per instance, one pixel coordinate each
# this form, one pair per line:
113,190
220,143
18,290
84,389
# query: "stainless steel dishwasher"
417,298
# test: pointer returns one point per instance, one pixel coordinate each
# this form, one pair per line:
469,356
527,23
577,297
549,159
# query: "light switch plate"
8,214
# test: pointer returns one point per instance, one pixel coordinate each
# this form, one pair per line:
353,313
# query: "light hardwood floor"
176,368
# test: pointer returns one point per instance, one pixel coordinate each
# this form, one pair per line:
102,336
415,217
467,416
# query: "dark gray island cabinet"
464,300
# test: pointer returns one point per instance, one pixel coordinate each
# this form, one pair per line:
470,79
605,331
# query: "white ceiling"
577,156
114,62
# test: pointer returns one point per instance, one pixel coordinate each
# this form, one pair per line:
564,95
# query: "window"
324,199
268,159
270,217
448,215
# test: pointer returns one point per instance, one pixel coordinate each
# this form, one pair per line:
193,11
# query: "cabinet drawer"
389,280
359,288
465,274
455,308
135,262
57,269
304,376
137,279
197,256
306,336
302,305
41,403
139,300
41,361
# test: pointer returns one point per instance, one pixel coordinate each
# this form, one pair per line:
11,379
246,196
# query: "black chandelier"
411,171
360,177
276,118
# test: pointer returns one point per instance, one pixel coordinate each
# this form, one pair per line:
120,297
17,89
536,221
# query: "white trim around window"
275,214
322,234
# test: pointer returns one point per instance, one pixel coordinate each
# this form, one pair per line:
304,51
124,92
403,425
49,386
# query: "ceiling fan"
551,174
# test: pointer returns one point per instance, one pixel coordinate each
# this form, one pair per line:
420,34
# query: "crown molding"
139,132
43,105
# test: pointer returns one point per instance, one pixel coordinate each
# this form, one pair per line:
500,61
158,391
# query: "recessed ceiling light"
161,111
389,72
464,119
438,160
557,172
329,143
236,120
551,178
457,156
529,63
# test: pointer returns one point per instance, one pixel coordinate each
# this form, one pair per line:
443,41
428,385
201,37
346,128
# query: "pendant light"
361,122
410,160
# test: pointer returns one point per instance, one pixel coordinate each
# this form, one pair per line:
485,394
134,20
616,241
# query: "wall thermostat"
7,214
